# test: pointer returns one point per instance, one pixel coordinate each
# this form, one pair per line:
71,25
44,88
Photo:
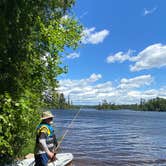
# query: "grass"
29,148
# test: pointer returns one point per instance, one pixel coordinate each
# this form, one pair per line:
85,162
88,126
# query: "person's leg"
41,159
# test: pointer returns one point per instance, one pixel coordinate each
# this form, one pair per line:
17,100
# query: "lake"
114,138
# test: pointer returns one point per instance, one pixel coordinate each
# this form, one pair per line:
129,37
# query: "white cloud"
65,17
120,56
149,11
94,77
90,36
136,82
128,91
154,56
84,14
73,55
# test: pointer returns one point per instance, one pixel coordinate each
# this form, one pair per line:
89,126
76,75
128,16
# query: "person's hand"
50,155
54,157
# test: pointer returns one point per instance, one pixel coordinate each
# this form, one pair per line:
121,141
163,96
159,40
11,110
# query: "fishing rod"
67,130
65,133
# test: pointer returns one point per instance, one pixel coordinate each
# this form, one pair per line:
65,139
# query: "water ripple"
118,138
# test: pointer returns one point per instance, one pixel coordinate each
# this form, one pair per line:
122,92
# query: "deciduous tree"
33,36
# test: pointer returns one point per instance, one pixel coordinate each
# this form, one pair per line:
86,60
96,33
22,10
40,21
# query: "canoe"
63,159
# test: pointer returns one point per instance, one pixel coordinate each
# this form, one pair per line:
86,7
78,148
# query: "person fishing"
46,140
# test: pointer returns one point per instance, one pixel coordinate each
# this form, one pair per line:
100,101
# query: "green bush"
18,121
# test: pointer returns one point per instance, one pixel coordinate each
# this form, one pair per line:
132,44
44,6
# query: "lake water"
114,138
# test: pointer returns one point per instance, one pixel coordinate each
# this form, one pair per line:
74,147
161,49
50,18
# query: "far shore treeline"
58,101
156,104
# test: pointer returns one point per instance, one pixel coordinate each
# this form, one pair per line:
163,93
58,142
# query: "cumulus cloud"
73,55
149,11
154,56
120,57
128,90
136,82
94,77
90,36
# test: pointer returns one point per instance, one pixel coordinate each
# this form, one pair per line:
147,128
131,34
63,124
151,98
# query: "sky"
122,57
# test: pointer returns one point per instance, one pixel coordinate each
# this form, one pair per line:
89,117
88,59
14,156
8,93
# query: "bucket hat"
47,115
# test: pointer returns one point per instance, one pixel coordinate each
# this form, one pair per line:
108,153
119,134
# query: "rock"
29,156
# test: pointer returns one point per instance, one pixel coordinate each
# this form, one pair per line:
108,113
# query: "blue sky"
122,57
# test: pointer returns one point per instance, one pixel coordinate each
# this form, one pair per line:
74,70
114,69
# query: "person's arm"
42,141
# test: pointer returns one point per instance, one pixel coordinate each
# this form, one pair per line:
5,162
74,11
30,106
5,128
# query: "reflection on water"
118,138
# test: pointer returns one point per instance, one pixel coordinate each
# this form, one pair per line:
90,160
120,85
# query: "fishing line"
67,130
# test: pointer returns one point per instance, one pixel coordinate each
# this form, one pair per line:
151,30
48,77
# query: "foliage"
107,106
156,104
17,121
33,35
58,101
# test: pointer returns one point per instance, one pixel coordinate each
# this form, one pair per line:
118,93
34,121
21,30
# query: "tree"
33,35
62,101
